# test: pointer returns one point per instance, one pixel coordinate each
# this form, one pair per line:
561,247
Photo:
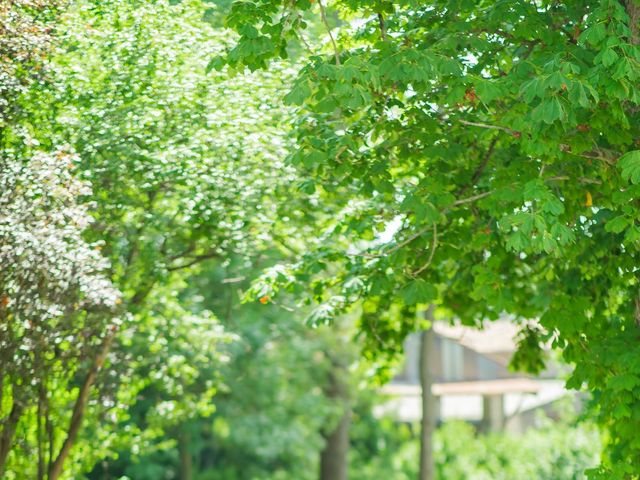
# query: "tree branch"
471,199
323,14
491,127
383,27
194,260
434,244
8,430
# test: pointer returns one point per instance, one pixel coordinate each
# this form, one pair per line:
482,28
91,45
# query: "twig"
422,231
193,261
485,161
323,14
434,244
596,154
473,198
486,125
580,179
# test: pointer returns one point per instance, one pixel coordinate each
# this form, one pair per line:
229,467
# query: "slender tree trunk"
186,459
428,420
333,458
8,430
55,469
40,430
633,10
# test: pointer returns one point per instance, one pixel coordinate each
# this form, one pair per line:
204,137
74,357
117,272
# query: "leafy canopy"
487,156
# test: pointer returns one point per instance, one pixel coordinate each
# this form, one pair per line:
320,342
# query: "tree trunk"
8,430
333,459
428,420
186,459
55,469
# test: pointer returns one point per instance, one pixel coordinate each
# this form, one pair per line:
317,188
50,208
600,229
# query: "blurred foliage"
143,170
552,450
488,159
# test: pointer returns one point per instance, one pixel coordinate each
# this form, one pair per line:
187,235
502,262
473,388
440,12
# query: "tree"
57,304
489,150
178,177
58,307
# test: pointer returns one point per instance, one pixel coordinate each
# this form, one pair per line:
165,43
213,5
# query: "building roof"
495,337
500,386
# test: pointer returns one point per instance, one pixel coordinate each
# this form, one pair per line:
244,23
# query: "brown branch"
485,161
434,244
424,230
633,10
480,168
193,261
233,279
77,415
40,430
383,27
8,430
141,294
471,199
491,127
323,14
584,180
597,154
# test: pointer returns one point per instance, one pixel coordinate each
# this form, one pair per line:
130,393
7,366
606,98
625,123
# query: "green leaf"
594,35
216,63
419,291
626,381
621,411
488,91
578,95
552,110
608,57
629,164
298,94
617,224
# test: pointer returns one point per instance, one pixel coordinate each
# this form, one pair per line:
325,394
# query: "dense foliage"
560,451
380,156
491,148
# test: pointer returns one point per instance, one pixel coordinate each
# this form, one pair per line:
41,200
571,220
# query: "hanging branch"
323,14
491,127
434,245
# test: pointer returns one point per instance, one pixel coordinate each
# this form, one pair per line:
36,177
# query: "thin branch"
407,241
434,244
584,180
491,127
471,199
194,260
323,14
183,253
597,154
481,167
424,230
485,161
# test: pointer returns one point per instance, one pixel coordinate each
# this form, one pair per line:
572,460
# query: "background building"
472,379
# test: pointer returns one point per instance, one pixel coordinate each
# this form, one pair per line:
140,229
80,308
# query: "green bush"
553,451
